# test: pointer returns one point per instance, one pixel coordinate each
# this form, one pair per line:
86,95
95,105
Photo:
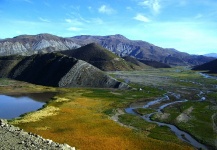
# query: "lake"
16,105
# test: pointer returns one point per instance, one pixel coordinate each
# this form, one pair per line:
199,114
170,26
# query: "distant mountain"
122,46
33,44
211,66
211,55
101,58
55,69
118,44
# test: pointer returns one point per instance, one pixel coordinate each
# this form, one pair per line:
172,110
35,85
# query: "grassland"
198,115
81,118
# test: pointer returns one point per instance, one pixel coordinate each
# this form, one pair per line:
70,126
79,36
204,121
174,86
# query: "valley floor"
82,117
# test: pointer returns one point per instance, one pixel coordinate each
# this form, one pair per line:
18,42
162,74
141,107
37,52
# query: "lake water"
16,105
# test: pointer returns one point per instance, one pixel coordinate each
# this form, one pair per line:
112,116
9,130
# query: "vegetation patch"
144,111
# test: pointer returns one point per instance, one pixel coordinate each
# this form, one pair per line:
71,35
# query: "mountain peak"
118,36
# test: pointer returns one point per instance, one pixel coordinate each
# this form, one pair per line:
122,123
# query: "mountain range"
122,46
118,44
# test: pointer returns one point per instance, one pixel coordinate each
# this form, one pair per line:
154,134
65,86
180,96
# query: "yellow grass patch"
38,115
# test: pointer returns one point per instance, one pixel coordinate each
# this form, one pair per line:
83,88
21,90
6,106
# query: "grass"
188,84
79,121
200,123
81,117
144,111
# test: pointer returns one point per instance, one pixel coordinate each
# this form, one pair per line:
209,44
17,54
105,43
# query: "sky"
186,25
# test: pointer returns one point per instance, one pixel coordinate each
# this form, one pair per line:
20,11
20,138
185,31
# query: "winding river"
184,136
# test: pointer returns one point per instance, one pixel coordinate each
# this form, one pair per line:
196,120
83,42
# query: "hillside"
134,63
101,58
210,66
122,46
33,44
55,70
155,64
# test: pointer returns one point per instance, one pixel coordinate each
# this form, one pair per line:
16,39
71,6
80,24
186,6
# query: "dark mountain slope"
210,66
155,64
33,44
99,57
55,70
135,63
122,46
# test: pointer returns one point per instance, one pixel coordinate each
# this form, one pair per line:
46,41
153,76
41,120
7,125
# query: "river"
184,136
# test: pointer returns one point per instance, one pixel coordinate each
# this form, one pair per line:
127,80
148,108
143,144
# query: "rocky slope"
211,67
33,44
101,58
15,138
55,69
122,46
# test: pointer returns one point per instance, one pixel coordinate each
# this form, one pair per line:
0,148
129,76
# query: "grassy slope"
77,117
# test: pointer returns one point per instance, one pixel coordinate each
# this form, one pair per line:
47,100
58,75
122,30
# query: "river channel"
15,105
184,136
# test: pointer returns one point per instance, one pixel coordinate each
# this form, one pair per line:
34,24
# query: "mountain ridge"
55,69
101,58
139,49
211,55
118,44
33,44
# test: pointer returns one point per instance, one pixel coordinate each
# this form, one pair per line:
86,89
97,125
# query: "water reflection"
16,105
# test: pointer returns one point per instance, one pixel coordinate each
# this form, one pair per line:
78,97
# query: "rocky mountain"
55,69
211,67
211,55
122,46
33,44
118,44
101,58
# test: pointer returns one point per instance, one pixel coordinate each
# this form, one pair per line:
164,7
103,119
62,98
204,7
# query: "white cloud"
44,20
154,5
75,22
142,18
74,29
106,10
68,20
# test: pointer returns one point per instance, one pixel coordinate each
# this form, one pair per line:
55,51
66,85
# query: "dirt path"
14,138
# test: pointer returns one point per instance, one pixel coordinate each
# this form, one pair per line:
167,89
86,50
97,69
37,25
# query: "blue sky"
186,25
